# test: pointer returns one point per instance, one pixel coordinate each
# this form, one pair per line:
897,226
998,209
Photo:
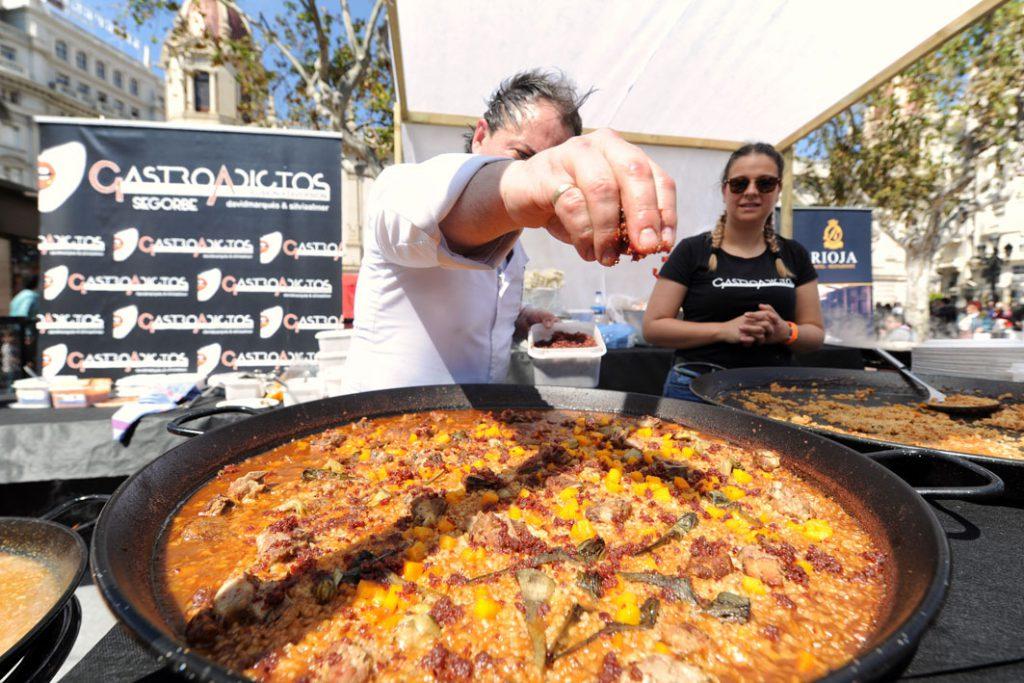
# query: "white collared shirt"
423,313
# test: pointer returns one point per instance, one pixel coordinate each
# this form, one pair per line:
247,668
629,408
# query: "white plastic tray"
566,367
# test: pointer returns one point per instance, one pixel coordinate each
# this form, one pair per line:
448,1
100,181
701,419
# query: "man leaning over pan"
440,286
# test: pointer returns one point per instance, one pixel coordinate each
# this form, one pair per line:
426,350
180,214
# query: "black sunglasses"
764,184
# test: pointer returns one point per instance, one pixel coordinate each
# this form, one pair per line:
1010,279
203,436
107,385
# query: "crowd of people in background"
974,319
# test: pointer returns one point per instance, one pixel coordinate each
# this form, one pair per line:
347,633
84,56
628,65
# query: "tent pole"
786,223
399,156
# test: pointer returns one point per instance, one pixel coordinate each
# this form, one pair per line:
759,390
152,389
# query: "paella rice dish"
999,435
521,545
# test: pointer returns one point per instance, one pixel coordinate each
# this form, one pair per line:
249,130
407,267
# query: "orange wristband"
794,332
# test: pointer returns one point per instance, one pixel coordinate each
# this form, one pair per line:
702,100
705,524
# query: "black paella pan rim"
131,524
710,387
65,556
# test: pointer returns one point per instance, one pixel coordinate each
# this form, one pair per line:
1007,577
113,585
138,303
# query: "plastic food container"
303,389
32,392
236,388
333,381
80,393
566,367
334,341
329,360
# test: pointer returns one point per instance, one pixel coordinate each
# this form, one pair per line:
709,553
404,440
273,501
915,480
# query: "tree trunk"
915,307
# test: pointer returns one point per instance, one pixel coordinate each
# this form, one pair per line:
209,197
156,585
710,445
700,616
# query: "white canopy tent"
688,80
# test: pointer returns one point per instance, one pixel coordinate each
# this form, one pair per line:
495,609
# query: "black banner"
176,249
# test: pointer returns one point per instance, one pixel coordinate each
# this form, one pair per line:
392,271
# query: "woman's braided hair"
770,238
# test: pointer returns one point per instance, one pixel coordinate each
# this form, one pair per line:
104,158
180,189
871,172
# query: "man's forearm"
479,216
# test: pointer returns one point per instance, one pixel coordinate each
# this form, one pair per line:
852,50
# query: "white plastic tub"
566,367
330,360
303,389
334,379
334,341
32,392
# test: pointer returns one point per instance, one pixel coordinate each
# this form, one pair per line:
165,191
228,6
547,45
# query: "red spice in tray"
566,340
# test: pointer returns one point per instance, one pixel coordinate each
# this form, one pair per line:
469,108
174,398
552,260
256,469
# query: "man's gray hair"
508,102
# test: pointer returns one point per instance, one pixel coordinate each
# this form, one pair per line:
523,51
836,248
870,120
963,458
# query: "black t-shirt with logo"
737,286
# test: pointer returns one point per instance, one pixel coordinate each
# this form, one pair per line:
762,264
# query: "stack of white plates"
330,359
982,358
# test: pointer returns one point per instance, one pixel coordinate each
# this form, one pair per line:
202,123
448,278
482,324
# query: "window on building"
62,79
135,112
81,61
8,53
118,79
10,135
84,89
102,97
133,87
101,70
60,48
119,105
201,87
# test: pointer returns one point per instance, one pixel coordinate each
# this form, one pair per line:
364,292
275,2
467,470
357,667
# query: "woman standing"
748,296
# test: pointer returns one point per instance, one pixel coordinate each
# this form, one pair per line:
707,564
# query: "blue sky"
96,16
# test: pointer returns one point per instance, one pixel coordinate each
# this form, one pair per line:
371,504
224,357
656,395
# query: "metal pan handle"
992,487
175,426
73,504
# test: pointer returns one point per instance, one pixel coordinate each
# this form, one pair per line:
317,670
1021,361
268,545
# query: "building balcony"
13,67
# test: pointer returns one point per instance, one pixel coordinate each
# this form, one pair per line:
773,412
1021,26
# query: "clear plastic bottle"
598,308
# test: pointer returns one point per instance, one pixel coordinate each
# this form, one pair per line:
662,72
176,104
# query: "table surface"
976,637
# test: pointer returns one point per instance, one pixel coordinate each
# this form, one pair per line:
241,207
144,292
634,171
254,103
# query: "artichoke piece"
416,631
683,526
536,588
649,611
591,550
730,607
320,474
679,588
591,583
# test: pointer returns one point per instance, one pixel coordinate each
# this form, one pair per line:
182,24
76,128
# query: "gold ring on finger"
562,189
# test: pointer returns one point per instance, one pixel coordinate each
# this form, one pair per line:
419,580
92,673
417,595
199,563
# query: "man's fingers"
571,222
665,188
639,196
600,189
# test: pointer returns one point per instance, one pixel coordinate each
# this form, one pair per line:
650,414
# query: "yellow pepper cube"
516,451
644,432
662,649
636,476
390,601
805,565
365,590
364,455
688,452
733,492
413,438
741,476
455,497
422,533
486,608
817,529
805,662
533,519
417,551
754,586
581,531
715,512
662,494
515,512
569,493
653,480
445,525
442,438
640,489
389,622
629,614
680,483
614,475
523,493
489,498
568,510
447,542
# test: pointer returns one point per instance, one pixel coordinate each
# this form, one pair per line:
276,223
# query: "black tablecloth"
77,443
977,636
